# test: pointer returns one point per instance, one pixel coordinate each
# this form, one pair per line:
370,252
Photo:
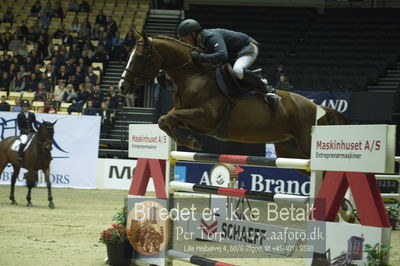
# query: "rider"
27,124
226,46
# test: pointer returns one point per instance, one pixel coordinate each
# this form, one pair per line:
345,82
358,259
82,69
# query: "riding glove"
195,55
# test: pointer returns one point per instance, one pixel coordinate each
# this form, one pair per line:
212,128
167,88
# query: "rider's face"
188,39
25,108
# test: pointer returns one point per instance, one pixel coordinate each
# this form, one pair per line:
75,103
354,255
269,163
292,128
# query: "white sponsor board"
117,174
148,141
357,148
346,246
75,149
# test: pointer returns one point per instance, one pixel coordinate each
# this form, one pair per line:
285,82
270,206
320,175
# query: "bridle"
142,77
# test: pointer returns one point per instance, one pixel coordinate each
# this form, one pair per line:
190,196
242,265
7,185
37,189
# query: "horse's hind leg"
13,181
30,182
49,196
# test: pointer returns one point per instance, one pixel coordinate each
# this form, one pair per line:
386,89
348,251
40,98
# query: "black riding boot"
21,152
269,93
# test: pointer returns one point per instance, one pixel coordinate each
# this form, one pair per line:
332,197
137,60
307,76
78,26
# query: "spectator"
90,110
60,32
50,12
51,101
15,44
73,6
12,71
100,55
41,93
31,83
24,28
42,43
85,29
4,82
46,81
8,17
84,6
74,52
70,95
88,84
68,39
128,44
101,19
18,84
92,76
58,11
3,42
59,92
111,26
283,83
44,20
116,47
17,107
76,26
107,117
110,102
62,75
4,106
47,109
23,51
70,67
97,96
96,32
79,75
35,9
278,72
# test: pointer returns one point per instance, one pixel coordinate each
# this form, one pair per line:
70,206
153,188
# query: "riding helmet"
25,102
187,26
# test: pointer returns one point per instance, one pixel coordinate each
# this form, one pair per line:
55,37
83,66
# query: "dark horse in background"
37,157
200,104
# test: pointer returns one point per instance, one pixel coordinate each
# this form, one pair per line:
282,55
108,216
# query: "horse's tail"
334,117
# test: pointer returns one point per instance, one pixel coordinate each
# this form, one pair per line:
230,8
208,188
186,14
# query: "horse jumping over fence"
37,157
202,107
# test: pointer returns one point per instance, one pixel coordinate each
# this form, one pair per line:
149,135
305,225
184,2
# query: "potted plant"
115,239
393,214
377,255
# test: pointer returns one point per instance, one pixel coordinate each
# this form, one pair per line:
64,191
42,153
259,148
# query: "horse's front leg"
176,121
30,183
49,195
13,181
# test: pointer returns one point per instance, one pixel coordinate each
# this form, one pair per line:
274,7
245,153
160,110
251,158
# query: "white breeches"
245,61
23,139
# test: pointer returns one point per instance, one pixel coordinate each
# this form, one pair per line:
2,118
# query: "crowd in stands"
61,66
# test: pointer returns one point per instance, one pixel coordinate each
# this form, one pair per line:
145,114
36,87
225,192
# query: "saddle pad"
17,143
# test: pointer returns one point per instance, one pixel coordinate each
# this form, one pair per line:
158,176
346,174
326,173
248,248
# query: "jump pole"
196,260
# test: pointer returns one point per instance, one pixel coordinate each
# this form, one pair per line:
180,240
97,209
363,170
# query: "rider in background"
224,46
27,124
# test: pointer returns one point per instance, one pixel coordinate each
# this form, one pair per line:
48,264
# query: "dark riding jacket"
224,45
26,125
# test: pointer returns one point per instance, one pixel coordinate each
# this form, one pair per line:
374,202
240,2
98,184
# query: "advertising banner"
117,174
277,180
356,148
338,100
148,141
75,149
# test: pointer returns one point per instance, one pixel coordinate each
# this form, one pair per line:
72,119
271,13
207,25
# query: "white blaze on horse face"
127,65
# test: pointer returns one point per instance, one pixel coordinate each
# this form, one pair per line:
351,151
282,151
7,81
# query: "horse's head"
46,134
144,64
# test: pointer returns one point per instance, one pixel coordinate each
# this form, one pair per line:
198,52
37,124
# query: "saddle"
17,143
231,86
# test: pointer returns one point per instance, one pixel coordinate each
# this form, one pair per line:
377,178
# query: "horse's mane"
163,37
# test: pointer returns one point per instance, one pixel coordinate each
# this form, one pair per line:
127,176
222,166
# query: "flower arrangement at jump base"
113,235
119,252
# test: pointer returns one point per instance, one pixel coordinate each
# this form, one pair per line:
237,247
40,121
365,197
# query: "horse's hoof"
14,202
29,205
51,205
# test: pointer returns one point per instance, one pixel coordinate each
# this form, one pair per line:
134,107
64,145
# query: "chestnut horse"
37,157
202,107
